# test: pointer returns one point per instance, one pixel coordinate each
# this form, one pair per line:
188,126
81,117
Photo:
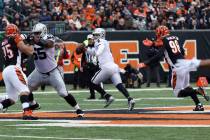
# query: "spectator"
25,26
132,76
17,19
1,8
44,16
133,14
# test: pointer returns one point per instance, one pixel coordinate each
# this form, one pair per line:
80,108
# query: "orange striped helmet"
11,30
162,31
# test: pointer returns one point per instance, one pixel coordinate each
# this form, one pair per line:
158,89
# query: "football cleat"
80,113
35,106
28,115
199,108
203,93
131,104
109,101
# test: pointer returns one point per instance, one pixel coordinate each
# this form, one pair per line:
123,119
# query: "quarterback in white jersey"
108,68
46,70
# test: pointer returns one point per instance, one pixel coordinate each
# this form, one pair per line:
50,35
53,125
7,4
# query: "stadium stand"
109,14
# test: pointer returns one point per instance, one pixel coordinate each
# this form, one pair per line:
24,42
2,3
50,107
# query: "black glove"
30,39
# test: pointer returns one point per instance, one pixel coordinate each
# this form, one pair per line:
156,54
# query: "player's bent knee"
63,94
24,93
186,92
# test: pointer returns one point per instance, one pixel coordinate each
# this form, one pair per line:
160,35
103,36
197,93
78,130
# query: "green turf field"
57,130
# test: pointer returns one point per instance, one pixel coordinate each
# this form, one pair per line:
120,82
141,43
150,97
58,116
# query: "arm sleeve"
156,57
100,49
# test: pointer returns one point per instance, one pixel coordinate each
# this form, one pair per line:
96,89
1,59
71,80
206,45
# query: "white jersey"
44,58
102,51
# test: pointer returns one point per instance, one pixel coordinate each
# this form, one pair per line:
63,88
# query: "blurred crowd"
109,14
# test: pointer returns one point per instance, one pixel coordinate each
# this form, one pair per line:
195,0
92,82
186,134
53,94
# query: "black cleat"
109,101
35,106
199,108
131,104
29,118
80,113
27,115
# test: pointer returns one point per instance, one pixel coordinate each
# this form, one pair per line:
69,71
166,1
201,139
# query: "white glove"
184,64
140,76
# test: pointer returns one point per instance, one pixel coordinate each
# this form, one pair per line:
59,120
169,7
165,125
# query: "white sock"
1,106
25,105
76,106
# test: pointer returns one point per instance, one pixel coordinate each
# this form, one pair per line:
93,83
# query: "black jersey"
11,53
171,50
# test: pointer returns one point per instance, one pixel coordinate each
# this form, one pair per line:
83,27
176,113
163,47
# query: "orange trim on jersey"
18,38
174,78
20,76
1,77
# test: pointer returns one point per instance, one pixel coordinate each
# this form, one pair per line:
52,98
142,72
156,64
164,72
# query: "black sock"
123,90
43,87
31,97
195,98
6,103
70,100
189,91
24,99
99,89
92,92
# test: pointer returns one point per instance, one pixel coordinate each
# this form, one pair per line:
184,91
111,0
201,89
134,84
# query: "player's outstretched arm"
204,63
25,48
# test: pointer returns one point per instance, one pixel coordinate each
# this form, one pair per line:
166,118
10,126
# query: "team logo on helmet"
99,33
40,28
162,31
11,30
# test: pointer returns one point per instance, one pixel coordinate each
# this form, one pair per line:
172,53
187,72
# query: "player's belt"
48,73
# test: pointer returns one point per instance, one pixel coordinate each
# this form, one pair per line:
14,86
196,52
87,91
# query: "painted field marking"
108,90
138,99
28,128
96,124
54,138
179,116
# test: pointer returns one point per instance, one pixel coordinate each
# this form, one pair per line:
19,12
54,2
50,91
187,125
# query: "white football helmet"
99,33
40,27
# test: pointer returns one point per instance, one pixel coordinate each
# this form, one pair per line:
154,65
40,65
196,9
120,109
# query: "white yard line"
109,90
28,128
54,138
85,124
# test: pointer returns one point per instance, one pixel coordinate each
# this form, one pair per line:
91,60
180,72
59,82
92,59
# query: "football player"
108,68
15,80
172,51
46,68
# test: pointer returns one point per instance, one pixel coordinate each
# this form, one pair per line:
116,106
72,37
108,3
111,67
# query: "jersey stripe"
174,79
20,76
